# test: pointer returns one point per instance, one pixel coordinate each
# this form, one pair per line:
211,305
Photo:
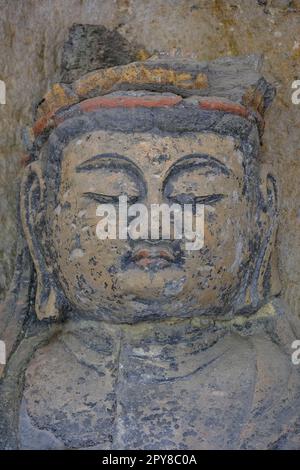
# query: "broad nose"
154,194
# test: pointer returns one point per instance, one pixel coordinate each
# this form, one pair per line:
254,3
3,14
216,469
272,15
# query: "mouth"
153,257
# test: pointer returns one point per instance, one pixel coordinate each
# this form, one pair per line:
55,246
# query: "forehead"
153,152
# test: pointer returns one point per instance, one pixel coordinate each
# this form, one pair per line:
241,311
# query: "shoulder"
68,399
274,415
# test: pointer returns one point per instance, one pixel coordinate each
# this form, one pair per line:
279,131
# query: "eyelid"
109,199
210,198
206,199
115,163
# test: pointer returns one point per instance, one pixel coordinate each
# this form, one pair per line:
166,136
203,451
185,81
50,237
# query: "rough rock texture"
32,34
213,370
173,385
92,47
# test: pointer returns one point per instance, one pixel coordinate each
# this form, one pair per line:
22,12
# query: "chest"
120,400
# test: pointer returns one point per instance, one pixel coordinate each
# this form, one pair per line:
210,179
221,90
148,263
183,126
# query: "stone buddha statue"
142,344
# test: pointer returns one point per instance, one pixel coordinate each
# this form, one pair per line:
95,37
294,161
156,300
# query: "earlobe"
265,282
270,277
32,205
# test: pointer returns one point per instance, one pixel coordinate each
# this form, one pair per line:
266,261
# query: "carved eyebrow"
197,160
112,161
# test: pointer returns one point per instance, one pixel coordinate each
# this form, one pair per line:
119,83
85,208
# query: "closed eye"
109,199
209,199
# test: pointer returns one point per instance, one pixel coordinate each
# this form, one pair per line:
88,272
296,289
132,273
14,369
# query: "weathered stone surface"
91,47
137,320
136,343
168,385
204,29
237,81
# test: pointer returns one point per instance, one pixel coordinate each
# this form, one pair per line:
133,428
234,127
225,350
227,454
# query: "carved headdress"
230,85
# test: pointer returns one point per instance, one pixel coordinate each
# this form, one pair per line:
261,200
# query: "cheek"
226,246
85,263
226,225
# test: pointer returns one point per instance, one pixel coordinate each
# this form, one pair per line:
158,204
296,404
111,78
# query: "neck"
197,333
161,350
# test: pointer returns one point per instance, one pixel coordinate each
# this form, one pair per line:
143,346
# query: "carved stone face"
126,280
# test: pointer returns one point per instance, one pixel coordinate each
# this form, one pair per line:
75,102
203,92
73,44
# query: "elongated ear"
265,282
48,300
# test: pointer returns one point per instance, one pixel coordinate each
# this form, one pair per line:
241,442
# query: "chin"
152,284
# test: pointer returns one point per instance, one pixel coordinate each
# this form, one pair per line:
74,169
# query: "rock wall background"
31,36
